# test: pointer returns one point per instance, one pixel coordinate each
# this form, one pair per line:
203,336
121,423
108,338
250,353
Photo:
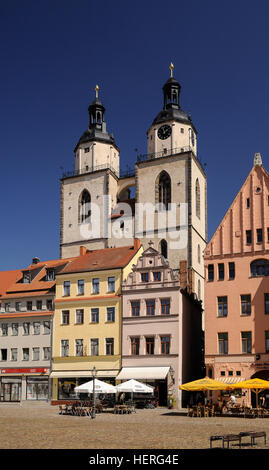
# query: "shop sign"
38,370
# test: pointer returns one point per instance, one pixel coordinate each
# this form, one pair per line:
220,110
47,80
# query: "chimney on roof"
35,260
82,251
137,243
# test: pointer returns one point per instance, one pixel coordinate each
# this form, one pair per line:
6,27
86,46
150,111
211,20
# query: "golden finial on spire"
171,67
96,91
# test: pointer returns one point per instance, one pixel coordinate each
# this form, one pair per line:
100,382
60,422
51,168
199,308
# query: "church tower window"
85,207
197,199
163,184
163,250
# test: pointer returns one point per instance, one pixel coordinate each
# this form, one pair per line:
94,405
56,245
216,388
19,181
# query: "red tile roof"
11,287
7,278
106,258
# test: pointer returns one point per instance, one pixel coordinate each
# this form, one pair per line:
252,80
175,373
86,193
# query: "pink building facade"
161,329
237,286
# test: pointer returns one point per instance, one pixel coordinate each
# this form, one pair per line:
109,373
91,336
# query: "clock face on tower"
164,132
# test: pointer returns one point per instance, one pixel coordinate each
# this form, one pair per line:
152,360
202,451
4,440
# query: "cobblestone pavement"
40,426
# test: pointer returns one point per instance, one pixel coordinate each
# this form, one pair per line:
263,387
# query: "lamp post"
93,391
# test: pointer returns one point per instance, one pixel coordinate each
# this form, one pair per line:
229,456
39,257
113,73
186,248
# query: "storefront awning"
230,380
83,373
148,373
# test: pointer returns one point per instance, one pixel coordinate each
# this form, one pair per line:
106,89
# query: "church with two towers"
162,201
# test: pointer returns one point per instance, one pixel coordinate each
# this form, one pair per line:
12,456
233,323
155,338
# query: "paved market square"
40,426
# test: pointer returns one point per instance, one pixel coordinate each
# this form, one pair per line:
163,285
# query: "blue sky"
52,55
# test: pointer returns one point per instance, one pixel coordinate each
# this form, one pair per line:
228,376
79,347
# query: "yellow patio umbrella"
203,384
256,384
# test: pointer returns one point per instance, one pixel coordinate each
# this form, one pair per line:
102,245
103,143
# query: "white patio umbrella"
99,387
133,386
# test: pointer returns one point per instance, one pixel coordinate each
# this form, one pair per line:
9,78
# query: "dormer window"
50,275
26,277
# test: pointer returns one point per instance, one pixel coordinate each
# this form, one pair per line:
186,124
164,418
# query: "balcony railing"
163,153
89,169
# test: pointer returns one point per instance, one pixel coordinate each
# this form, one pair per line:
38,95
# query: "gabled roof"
7,278
11,286
229,235
106,258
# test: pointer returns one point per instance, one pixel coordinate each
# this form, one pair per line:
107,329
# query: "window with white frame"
81,287
4,328
36,326
111,284
26,328
94,347
36,354
79,347
15,329
110,314
64,347
14,354
25,354
46,353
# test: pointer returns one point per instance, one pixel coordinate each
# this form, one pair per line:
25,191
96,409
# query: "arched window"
197,198
85,207
163,246
259,267
199,289
163,189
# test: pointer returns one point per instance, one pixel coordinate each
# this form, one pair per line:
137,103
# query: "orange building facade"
237,286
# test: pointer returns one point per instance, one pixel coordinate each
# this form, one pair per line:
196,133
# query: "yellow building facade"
88,318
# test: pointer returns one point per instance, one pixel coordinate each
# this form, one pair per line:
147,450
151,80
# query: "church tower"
95,175
171,176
